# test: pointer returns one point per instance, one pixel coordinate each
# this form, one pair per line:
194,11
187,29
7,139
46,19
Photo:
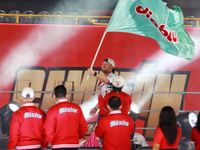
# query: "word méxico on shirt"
33,115
64,110
116,123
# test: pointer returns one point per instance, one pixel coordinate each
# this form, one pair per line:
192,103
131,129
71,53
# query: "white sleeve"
111,77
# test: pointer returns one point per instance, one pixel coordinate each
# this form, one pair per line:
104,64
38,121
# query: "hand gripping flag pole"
97,52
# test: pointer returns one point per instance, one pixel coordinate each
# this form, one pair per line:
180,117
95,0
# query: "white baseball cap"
118,82
110,61
27,92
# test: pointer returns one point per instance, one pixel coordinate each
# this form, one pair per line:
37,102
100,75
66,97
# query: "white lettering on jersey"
116,123
64,110
33,115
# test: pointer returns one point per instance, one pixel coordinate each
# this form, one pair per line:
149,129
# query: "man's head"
60,91
114,103
118,83
108,66
27,94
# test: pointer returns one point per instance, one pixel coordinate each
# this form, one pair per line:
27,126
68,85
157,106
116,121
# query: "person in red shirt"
168,133
115,128
26,128
65,123
125,98
195,134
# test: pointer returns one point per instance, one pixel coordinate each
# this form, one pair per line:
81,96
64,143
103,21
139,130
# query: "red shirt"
26,128
65,125
115,129
125,101
195,136
101,105
160,139
103,89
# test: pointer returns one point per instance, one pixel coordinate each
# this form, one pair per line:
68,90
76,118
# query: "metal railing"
91,19
192,19
81,92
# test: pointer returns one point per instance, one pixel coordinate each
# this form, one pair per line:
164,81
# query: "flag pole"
97,52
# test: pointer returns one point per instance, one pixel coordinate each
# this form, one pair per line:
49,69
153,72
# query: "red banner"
43,56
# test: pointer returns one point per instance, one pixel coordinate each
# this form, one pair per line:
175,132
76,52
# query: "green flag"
152,18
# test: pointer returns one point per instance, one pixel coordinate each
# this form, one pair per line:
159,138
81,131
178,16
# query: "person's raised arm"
100,77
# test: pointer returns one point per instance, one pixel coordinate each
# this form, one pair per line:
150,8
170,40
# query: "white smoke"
88,105
39,43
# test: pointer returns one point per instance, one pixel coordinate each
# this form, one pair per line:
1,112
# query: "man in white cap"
105,80
26,128
118,84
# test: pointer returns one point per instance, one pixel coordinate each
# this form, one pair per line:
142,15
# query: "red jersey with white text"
125,101
104,88
159,138
195,136
26,128
115,129
65,125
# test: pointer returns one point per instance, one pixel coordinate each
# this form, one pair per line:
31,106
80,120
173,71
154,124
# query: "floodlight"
13,106
135,108
6,113
5,118
133,112
186,121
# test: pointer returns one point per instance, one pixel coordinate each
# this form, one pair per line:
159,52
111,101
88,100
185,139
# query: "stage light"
133,115
134,111
5,118
13,106
135,108
186,121
6,113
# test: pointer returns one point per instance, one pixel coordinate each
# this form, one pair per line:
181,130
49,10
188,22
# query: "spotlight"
134,111
135,108
13,106
186,121
5,118
6,113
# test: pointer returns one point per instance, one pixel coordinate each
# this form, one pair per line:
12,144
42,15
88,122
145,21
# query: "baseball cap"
27,92
110,61
118,82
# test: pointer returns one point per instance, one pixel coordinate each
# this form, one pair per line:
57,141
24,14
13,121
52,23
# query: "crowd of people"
64,124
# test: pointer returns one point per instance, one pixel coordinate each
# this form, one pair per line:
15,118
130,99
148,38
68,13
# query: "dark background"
189,7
